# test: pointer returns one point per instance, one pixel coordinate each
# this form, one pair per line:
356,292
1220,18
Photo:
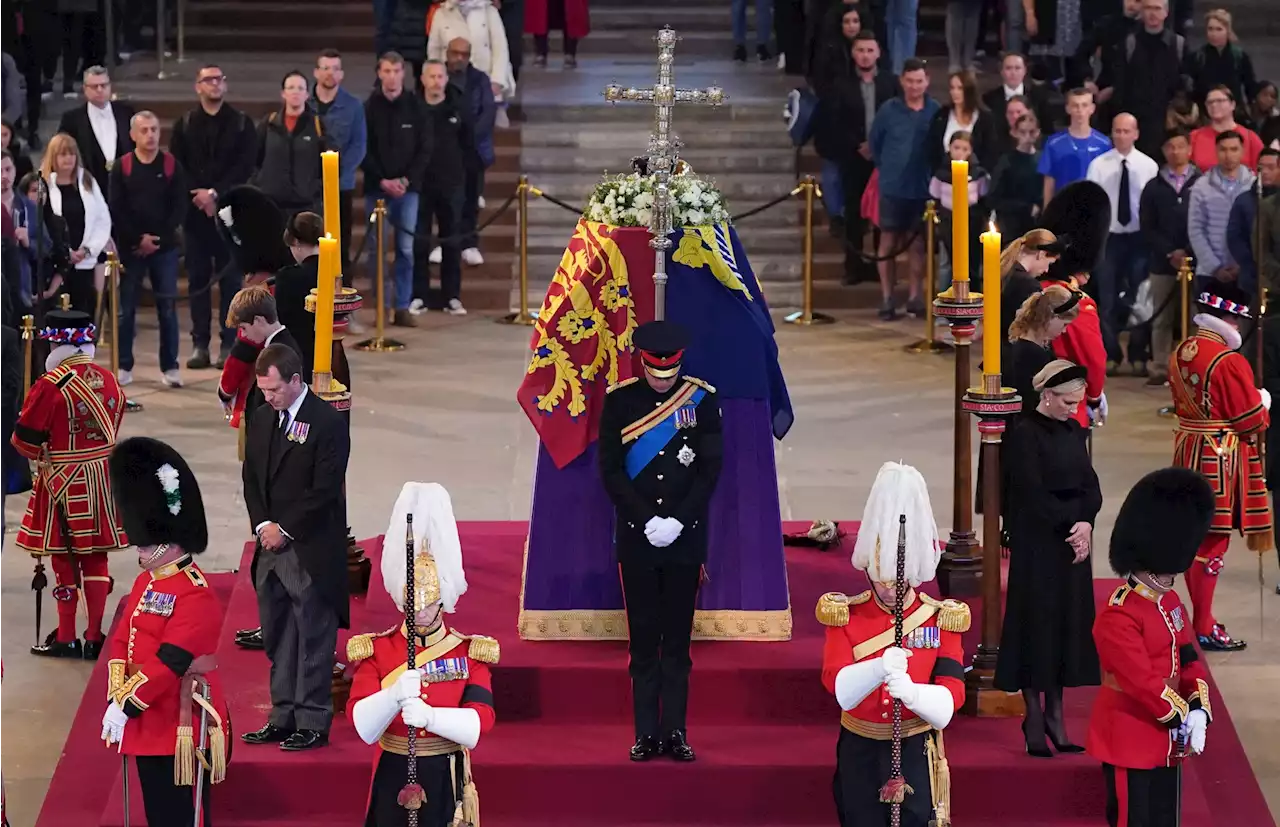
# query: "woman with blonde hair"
1022,264
78,217
1221,62
1053,498
1042,318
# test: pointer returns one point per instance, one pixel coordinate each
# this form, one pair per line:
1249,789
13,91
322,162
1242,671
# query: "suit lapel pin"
686,456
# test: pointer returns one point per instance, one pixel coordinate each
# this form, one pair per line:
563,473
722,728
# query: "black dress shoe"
678,747
645,747
243,633
250,639
1219,641
269,734
305,739
92,648
53,648
1036,749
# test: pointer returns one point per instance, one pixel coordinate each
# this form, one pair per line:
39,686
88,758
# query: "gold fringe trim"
467,812
359,647
833,607
940,780
217,755
953,615
184,758
611,624
483,649
1261,541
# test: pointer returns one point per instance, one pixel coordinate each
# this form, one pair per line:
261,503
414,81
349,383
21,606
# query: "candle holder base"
801,319
1167,412
983,700
521,317
929,346
379,344
960,570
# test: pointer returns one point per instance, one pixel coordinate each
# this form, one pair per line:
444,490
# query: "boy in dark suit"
295,464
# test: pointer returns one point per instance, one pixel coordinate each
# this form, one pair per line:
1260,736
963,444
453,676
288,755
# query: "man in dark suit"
295,464
100,126
1014,82
660,455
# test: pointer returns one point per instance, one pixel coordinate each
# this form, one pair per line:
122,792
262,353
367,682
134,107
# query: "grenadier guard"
1153,708
660,451
1220,417
165,704
1080,215
446,698
866,672
68,425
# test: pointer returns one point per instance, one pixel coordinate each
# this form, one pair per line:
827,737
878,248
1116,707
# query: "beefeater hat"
157,495
437,569
1080,214
898,489
68,327
1162,522
1225,299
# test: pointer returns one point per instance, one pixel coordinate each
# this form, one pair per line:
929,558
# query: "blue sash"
648,444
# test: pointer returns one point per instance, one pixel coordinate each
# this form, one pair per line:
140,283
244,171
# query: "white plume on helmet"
434,529
898,490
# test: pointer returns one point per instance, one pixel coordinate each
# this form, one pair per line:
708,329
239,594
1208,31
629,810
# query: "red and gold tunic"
1081,343
455,673
237,377
69,425
167,635
861,627
1220,413
1152,677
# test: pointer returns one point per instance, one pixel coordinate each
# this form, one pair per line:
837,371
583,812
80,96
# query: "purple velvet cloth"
571,564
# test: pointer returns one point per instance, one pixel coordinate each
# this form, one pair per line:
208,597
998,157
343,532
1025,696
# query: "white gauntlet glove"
894,659
1266,397
113,722
407,686
416,714
1197,727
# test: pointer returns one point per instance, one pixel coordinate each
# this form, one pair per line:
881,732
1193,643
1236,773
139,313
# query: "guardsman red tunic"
237,377
171,620
1081,343
69,425
1152,677
455,673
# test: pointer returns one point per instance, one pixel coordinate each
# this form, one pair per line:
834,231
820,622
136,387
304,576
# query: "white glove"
1197,726
1266,397
1098,415
113,721
674,527
372,715
225,215
652,526
900,687
461,726
665,532
894,660
407,686
416,714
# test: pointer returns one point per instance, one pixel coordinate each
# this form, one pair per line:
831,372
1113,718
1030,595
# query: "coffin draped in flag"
601,291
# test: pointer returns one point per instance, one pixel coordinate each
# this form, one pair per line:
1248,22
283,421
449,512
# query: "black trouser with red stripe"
1143,798
165,803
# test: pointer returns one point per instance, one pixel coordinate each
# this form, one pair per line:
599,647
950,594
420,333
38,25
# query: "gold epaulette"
360,647
953,615
481,648
696,381
833,607
621,384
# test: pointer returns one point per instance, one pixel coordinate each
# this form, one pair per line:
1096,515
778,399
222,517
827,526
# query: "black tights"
1047,718
541,46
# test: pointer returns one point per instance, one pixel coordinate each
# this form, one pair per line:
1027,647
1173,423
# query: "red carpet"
764,728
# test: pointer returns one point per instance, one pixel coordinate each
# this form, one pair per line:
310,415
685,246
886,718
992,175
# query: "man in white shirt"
1014,82
1122,172
100,126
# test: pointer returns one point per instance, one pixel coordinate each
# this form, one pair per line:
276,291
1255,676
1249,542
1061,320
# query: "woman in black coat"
1047,640
964,111
293,284
1220,62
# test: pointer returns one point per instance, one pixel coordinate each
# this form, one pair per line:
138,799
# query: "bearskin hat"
1162,522
157,495
1080,212
255,227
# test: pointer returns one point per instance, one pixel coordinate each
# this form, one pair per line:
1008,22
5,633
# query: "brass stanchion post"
160,41
182,31
28,342
1186,274
114,268
930,343
522,316
380,343
806,316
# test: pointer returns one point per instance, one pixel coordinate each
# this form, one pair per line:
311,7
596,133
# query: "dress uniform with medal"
866,672
447,699
1153,709
68,425
660,453
1220,417
165,705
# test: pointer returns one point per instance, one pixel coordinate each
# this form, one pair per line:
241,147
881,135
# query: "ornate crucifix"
664,151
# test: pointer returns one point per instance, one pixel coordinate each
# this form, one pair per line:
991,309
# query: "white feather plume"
433,520
898,489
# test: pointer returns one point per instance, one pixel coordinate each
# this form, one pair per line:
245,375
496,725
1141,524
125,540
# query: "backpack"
170,165
1131,43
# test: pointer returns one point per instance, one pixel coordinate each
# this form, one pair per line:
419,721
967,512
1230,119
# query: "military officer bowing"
660,455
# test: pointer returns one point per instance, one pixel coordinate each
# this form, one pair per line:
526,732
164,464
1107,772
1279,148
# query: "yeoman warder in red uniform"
68,425
866,671
1154,708
446,698
161,651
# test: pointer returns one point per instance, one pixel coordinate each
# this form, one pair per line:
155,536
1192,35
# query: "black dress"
1047,639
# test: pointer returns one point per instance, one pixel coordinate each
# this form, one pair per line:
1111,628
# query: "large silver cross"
664,150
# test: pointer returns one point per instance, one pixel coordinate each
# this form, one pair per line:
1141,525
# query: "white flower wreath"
627,201
168,476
